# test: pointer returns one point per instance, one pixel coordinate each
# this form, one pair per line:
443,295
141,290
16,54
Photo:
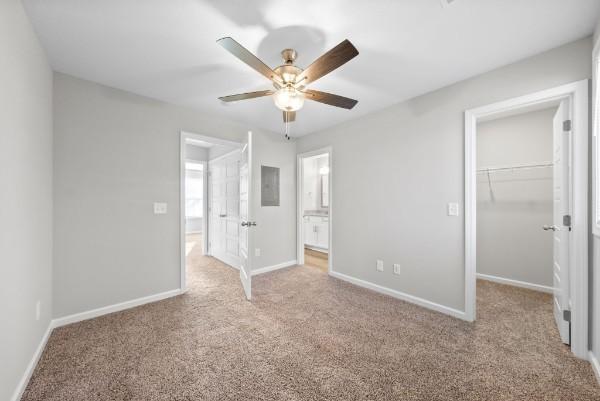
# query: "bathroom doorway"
314,209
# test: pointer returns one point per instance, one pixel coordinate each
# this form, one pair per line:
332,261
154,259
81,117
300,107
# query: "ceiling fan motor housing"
288,73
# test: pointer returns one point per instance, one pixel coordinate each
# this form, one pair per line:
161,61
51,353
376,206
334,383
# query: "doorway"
314,210
561,260
210,203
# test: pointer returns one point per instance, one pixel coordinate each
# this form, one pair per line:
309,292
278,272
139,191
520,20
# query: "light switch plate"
452,209
379,265
397,268
160,208
256,251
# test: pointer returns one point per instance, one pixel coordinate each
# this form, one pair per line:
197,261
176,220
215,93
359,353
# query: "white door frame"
182,160
577,92
300,207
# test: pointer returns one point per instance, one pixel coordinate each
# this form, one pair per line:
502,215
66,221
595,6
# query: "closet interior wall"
514,197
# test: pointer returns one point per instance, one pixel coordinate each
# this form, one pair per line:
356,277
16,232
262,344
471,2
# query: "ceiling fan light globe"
288,99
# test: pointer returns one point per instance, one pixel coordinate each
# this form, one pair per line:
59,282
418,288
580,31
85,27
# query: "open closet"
514,200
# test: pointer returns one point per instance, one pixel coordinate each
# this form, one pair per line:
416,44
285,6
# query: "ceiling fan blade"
244,96
330,99
289,116
244,54
328,62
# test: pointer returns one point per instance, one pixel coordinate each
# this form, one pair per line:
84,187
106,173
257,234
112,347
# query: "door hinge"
567,125
567,220
567,315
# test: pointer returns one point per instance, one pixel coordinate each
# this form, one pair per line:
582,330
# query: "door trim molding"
577,92
300,207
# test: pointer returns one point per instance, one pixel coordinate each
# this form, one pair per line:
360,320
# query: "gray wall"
275,233
219,150
26,195
510,241
115,154
397,169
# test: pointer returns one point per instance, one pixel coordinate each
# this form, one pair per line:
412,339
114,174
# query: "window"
194,189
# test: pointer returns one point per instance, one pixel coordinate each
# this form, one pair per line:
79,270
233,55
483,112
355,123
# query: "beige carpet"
307,336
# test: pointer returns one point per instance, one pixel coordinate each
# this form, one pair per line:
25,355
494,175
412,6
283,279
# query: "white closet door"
246,214
561,208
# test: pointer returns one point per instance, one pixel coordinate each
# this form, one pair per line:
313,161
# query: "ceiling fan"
290,81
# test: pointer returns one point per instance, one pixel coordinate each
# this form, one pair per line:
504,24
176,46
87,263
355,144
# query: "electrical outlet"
397,268
256,251
38,310
379,265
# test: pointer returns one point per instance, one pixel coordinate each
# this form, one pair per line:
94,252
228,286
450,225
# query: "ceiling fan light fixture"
288,99
290,81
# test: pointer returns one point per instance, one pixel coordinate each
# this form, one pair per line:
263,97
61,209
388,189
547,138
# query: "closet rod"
517,167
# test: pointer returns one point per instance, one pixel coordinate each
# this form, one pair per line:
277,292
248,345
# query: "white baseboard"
32,364
78,317
274,267
516,283
595,365
401,295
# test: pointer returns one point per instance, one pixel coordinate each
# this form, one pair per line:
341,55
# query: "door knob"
222,215
552,227
248,223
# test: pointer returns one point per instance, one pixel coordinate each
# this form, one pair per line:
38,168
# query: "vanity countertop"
318,213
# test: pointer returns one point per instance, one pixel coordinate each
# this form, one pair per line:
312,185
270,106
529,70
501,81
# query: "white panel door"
561,208
224,219
245,212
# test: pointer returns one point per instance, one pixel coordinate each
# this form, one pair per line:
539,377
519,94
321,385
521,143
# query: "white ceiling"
166,49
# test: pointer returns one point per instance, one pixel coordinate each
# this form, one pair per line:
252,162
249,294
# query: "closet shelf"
515,167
